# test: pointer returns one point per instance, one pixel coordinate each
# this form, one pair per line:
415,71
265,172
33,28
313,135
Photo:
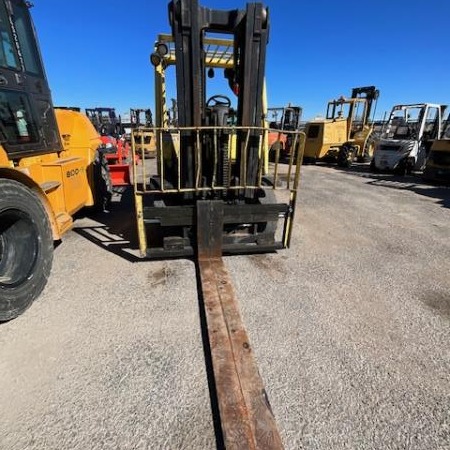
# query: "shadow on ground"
115,230
414,183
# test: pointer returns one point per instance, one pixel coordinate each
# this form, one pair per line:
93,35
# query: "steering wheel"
219,100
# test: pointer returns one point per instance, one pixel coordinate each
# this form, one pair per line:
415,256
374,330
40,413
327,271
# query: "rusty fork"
246,418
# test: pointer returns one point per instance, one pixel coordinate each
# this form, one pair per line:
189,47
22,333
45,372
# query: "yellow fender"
19,176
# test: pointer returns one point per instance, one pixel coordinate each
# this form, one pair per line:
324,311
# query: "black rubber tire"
373,168
103,187
344,158
400,170
268,197
309,161
367,155
273,151
26,248
409,167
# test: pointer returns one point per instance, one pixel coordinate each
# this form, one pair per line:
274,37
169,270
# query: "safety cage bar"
218,52
168,141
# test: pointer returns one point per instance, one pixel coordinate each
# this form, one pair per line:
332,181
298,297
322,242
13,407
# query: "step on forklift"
346,134
211,190
51,165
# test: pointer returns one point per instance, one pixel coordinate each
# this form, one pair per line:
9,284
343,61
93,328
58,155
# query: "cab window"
431,129
17,124
26,38
8,57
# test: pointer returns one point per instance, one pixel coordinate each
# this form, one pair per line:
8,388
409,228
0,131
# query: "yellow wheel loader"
50,166
346,134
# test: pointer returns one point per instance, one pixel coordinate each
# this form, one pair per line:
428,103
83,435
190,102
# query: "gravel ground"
350,328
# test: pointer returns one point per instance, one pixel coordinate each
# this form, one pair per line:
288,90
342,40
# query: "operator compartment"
214,149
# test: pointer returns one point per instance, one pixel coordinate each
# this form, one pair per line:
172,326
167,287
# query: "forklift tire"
103,187
267,196
26,248
345,157
367,155
273,151
409,167
308,160
401,168
373,168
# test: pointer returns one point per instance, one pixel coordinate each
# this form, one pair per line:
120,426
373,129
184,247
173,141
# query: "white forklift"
407,137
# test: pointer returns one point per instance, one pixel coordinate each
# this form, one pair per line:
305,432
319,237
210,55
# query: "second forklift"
346,133
406,140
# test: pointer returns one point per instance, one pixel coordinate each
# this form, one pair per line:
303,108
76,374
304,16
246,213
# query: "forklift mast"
105,121
370,94
141,117
190,23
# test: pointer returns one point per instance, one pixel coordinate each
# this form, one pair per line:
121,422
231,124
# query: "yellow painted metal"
4,161
64,179
81,141
79,136
145,142
439,146
134,159
333,133
138,201
161,110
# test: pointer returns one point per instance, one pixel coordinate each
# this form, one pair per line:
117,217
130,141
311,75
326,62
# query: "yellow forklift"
211,189
437,167
51,165
346,133
282,118
218,152
141,119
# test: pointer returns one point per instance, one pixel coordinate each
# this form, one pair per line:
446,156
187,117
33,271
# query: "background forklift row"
415,136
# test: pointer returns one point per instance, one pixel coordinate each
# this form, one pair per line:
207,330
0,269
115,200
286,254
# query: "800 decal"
74,172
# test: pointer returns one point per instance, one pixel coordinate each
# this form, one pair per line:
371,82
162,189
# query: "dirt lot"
351,329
